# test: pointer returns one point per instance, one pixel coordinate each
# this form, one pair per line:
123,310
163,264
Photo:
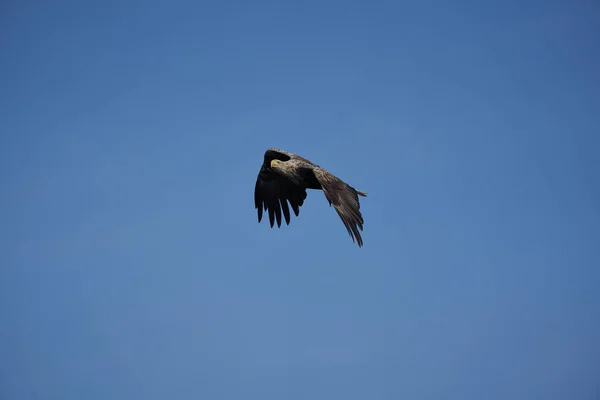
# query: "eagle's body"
284,177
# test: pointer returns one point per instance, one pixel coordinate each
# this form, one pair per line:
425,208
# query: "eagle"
284,177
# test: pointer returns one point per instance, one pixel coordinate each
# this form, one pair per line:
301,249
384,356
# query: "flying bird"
284,177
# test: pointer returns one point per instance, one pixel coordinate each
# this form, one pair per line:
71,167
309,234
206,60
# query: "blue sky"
133,265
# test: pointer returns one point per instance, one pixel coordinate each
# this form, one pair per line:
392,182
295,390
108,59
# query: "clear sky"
132,263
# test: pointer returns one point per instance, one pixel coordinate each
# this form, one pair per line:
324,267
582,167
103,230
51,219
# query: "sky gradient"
132,263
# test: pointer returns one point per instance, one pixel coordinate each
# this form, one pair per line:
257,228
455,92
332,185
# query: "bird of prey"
284,177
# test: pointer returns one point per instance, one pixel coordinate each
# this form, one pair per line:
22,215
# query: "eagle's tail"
361,193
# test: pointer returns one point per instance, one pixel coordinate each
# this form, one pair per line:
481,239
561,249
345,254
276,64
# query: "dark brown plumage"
284,178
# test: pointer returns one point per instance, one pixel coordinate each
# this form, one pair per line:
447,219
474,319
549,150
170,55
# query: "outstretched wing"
273,192
345,201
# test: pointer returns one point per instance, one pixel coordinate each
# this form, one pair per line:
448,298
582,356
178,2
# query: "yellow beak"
274,163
